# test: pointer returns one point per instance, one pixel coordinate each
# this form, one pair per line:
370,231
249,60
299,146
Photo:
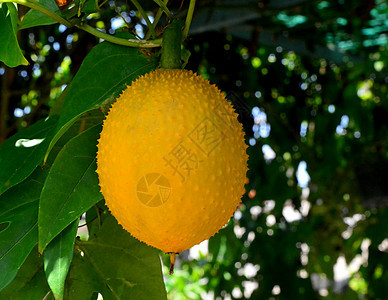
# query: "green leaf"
56,109
10,52
57,259
35,18
87,121
90,6
93,218
23,152
71,187
30,282
116,265
215,244
19,212
104,73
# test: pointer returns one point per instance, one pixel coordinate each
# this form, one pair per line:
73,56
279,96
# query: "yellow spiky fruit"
172,159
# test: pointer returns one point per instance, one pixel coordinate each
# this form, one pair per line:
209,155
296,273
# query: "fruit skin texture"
172,159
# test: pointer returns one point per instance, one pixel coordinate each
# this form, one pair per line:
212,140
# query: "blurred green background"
309,80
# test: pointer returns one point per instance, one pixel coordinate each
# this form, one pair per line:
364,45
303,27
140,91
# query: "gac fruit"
172,159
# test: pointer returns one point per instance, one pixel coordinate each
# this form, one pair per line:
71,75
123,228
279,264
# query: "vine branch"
156,20
119,13
85,27
163,6
120,41
189,17
145,17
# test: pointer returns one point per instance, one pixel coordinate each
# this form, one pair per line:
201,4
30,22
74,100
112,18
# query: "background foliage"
309,81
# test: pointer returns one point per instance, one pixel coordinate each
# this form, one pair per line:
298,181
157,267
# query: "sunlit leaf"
35,18
10,52
30,282
23,152
71,187
104,73
19,213
117,266
89,7
57,259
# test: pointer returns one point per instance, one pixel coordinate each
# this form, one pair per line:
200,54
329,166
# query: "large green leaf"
35,18
116,265
19,212
57,259
30,283
71,187
104,73
23,152
10,52
85,122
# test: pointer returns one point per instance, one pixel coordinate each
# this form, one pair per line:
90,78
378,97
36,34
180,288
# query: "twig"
189,17
120,41
164,8
87,223
145,17
156,20
119,13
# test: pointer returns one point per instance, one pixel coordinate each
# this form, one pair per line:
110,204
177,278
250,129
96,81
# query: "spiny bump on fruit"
172,160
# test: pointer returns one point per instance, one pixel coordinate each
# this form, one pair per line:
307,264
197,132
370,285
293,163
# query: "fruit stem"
172,262
171,46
